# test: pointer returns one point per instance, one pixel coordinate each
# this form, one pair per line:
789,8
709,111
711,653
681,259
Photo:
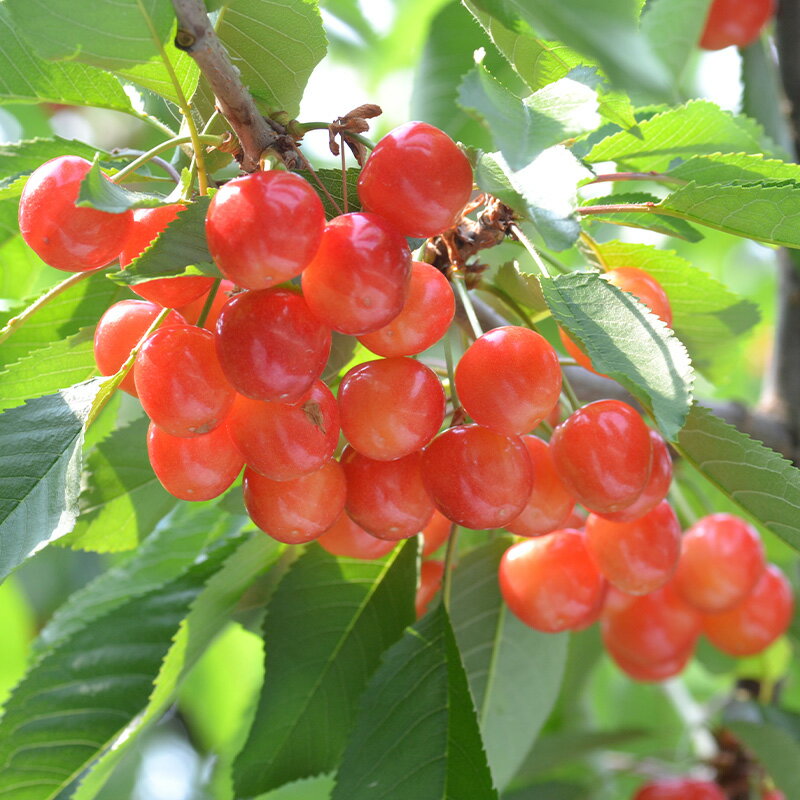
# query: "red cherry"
147,224
386,498
551,582
525,379
722,559
299,510
426,315
418,179
348,540
270,345
478,477
680,789
430,581
550,503
119,331
435,533
282,441
263,229
757,621
359,280
192,311
64,236
603,454
735,22
651,671
637,557
180,383
391,407
198,468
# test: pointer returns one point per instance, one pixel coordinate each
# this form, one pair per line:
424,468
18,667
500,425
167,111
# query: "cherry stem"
681,502
659,177
212,293
693,715
466,301
451,374
204,138
591,245
531,248
619,208
447,579
160,162
319,182
344,178
325,126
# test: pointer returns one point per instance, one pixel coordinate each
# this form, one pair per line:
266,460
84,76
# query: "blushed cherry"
347,539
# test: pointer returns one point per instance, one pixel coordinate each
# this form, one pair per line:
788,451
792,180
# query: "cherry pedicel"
192,311
347,539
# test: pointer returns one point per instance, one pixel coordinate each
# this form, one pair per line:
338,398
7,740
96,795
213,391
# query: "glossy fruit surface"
430,581
299,510
722,559
180,383
264,228
478,477
192,311
64,236
680,789
390,407
418,179
525,379
359,279
550,503
637,557
757,621
347,539
426,315
735,22
386,498
119,331
282,441
147,224
551,582
197,468
270,345
435,533
651,671
603,454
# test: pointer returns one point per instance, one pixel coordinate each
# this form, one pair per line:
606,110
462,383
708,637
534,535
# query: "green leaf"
416,733
19,628
98,192
40,468
331,179
275,44
673,29
762,483
734,167
327,625
626,342
497,649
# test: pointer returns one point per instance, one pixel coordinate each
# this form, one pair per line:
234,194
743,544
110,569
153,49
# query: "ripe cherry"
263,229
551,582
180,383
680,789
435,533
192,311
756,622
525,379
359,279
651,671
147,224
430,581
721,561
550,503
418,179
347,539
283,441
478,477
603,454
197,468
426,315
64,236
299,510
735,22
390,407
270,345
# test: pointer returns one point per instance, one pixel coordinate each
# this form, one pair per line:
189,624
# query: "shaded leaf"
331,179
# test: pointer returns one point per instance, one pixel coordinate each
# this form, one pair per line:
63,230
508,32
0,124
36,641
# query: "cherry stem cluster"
202,138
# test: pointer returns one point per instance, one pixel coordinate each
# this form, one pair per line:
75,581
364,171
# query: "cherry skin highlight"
735,22
347,539
264,228
391,407
62,235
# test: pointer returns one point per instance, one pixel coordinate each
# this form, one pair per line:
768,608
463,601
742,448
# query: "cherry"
478,477
263,229
735,22
270,345
119,331
359,279
198,468
426,315
390,407
680,789
430,581
348,540
64,236
549,504
282,441
603,454
637,557
551,582
192,311
651,671
386,498
435,533
418,179
525,379
756,622
180,383
722,559
147,225
299,510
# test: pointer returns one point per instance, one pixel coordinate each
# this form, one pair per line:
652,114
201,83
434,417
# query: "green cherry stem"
212,293
466,301
447,579
203,138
